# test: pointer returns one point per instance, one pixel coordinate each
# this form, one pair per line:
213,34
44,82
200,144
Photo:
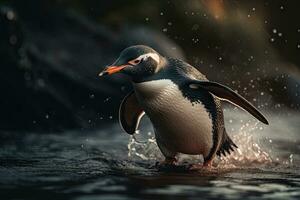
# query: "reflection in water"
93,165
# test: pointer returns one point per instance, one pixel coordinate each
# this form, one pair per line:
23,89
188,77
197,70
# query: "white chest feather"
182,126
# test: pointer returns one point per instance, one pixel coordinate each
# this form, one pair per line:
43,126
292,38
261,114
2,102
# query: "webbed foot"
206,165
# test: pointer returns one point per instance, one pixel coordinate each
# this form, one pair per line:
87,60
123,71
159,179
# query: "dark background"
52,51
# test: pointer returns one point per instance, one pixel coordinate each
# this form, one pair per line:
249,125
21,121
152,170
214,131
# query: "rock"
51,60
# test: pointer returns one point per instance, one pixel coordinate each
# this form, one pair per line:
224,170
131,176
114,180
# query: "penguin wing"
227,94
130,113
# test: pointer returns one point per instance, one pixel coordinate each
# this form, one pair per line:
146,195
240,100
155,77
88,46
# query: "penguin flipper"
130,113
225,93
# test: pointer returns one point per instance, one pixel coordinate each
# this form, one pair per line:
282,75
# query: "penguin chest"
180,125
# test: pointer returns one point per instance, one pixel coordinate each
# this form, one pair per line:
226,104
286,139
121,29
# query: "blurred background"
51,52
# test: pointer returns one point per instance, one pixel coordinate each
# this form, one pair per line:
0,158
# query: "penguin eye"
135,62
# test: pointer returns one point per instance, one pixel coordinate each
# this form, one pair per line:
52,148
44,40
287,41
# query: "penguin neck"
152,89
160,82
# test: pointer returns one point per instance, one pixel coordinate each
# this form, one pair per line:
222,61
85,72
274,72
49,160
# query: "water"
95,165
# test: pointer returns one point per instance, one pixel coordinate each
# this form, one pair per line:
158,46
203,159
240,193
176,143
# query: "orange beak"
112,69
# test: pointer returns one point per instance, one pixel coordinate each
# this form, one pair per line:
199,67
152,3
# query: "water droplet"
165,30
41,83
10,15
107,99
147,19
272,39
47,116
291,158
161,13
195,40
123,88
274,30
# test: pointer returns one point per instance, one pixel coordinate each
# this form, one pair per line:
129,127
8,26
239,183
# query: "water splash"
146,149
251,152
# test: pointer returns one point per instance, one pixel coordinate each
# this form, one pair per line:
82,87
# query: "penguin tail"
226,146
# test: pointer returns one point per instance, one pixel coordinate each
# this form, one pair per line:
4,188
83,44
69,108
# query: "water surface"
96,165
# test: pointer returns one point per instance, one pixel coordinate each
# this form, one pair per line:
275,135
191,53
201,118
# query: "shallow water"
96,165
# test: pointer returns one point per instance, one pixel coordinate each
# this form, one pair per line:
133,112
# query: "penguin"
183,106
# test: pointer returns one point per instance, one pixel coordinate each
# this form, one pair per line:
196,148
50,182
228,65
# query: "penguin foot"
208,163
205,165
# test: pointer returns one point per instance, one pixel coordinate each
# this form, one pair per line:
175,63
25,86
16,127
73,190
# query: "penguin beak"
112,69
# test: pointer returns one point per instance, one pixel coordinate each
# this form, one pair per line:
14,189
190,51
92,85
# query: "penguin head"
139,62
